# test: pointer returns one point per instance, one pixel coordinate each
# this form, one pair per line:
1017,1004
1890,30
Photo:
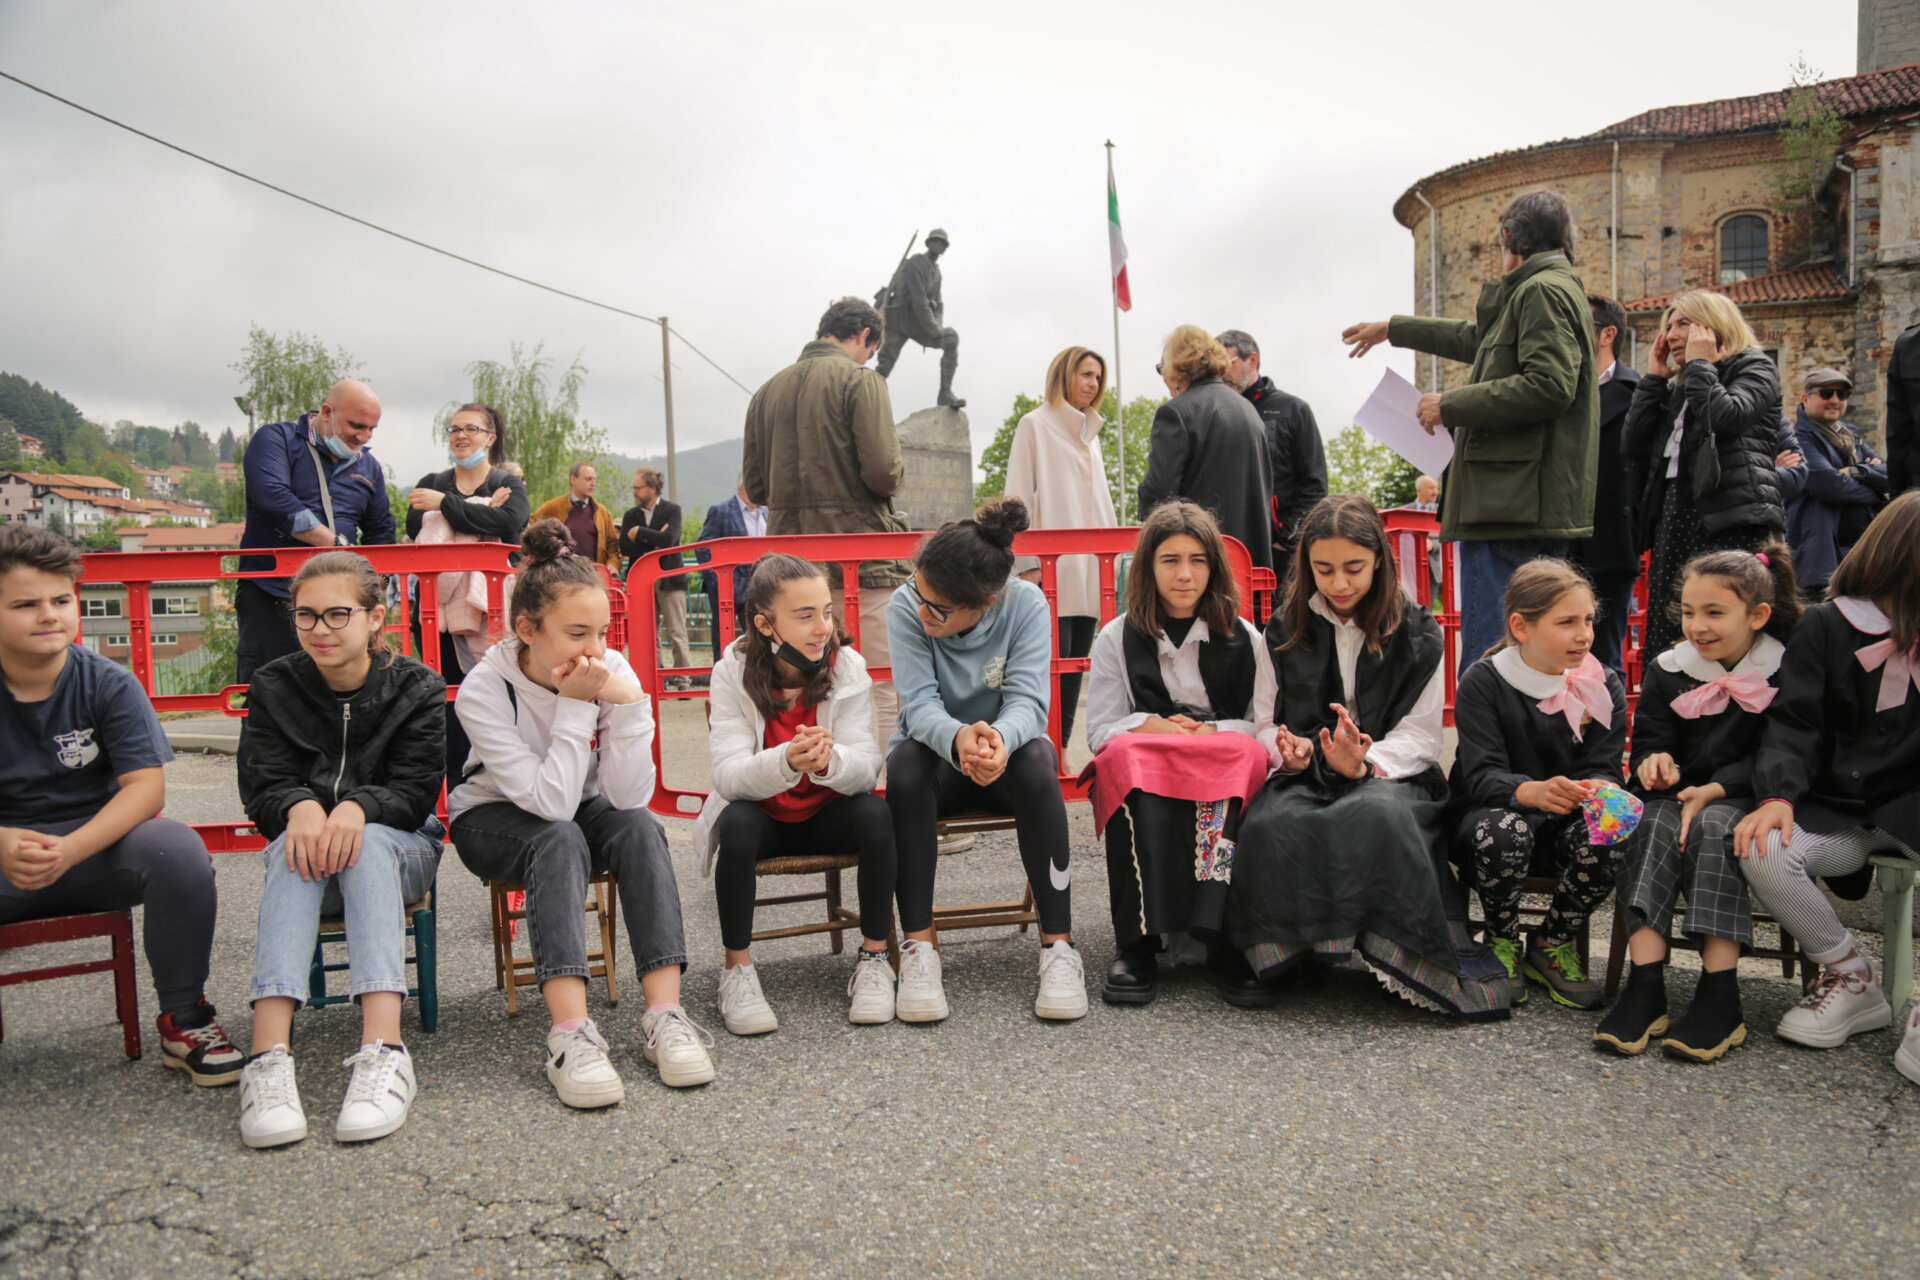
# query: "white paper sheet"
1390,416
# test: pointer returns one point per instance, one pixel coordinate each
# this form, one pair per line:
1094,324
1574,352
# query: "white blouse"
1412,746
1056,468
1110,710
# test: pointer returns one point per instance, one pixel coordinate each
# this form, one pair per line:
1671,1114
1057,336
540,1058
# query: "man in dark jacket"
1294,449
1846,485
734,518
652,523
1903,413
311,483
1610,555
914,310
1526,427
1209,446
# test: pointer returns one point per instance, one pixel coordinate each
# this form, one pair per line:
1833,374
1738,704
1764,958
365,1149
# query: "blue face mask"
478,458
338,448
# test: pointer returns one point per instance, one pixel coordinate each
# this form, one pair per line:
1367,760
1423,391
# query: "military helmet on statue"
938,234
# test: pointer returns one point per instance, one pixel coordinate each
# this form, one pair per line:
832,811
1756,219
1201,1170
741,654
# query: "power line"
371,226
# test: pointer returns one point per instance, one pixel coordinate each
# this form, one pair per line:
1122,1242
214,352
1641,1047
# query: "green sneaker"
1559,970
1508,953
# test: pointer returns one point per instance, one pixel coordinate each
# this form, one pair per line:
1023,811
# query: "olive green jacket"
1526,427
822,453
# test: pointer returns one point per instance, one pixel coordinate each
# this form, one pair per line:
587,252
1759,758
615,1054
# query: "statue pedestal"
939,455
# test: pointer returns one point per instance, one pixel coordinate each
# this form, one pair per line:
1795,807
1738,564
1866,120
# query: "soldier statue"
912,308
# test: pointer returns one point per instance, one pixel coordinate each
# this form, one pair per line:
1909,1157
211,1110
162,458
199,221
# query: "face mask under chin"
795,658
475,459
338,448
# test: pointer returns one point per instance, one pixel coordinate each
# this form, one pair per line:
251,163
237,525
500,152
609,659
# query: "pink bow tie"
1584,694
1749,688
1897,670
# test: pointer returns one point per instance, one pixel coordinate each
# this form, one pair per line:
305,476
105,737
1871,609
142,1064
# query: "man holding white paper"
1526,427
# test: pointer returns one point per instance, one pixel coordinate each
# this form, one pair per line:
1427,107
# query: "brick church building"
1680,198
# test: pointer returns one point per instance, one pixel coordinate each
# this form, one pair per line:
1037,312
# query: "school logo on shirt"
77,749
996,670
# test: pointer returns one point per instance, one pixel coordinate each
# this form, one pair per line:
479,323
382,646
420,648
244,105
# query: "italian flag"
1117,243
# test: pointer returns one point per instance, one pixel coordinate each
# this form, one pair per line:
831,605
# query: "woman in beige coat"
1056,469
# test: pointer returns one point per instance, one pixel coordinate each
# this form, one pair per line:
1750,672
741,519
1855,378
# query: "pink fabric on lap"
1214,766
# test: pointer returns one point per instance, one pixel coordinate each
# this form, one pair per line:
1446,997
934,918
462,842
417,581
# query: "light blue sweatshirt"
998,672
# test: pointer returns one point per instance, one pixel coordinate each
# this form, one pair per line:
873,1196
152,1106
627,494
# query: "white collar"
1318,604
1198,635
1511,667
1863,615
1607,375
1684,659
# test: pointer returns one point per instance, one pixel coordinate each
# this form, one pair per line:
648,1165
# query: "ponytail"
1758,577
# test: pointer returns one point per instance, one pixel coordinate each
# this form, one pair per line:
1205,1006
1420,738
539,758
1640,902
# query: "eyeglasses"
307,619
1158,369
1831,393
938,612
467,431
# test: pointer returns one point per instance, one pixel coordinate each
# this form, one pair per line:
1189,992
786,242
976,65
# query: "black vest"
1385,685
1226,670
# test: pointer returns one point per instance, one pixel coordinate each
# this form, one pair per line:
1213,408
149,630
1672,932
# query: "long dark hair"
1884,567
551,569
1219,604
969,561
369,588
1764,578
771,574
1349,516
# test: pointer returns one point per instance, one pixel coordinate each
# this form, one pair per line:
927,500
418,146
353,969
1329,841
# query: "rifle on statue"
882,298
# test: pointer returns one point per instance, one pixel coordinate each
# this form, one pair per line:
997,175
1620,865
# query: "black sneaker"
193,1042
1641,1013
1713,1023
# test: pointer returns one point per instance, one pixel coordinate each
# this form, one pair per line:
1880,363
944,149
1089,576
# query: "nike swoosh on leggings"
1061,877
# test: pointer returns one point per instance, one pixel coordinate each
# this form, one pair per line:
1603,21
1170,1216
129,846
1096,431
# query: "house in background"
180,610
157,483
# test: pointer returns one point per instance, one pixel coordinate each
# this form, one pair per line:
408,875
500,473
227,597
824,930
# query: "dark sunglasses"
1158,370
1831,393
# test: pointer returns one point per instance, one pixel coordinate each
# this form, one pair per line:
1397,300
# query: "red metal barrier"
848,551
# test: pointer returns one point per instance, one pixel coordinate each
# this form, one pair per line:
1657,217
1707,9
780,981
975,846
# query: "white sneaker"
1841,1003
1907,1058
678,1047
270,1112
743,1006
379,1094
1063,984
578,1069
959,843
921,997
870,989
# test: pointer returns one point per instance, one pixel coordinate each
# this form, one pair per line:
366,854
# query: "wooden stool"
512,973
839,918
117,927
425,961
1787,953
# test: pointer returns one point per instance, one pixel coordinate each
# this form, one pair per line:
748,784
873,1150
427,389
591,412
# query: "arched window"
1743,248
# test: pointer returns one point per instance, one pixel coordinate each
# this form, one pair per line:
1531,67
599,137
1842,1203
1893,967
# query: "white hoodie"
545,753
745,768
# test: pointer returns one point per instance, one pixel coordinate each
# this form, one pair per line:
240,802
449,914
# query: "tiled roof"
218,535
1818,283
78,495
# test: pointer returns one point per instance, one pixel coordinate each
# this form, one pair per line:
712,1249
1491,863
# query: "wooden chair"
1896,876
981,915
117,927
1787,953
839,919
512,973
425,962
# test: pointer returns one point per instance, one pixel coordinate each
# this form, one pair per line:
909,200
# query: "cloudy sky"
737,166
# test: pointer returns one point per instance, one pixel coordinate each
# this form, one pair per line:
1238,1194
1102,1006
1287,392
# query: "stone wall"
1889,34
939,457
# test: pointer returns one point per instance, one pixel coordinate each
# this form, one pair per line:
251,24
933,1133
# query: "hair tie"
1761,556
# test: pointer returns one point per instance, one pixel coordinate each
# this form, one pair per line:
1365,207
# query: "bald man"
311,483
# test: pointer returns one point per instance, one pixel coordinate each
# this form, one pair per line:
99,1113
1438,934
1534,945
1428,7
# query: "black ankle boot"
1713,1023
1130,978
1641,1013
1239,985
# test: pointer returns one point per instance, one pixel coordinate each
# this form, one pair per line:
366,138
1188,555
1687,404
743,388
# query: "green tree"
1125,490
219,642
226,446
397,503
282,378
1357,463
9,439
1396,488
1810,132
545,432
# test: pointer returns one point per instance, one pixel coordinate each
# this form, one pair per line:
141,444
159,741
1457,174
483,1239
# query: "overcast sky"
737,166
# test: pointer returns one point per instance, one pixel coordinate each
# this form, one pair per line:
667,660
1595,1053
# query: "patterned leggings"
1783,880
1501,846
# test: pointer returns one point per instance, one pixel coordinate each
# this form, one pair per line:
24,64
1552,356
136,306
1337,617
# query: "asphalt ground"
1341,1134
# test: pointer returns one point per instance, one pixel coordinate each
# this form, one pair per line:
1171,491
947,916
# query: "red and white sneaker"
194,1043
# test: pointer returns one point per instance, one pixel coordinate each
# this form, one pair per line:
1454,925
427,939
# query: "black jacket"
639,535
1209,446
504,523
1296,455
1505,740
1903,412
1718,748
1611,549
385,748
1726,455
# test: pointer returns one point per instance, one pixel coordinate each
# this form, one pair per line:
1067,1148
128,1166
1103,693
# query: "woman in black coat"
1704,429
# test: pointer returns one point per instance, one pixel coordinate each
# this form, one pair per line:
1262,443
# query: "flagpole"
1119,397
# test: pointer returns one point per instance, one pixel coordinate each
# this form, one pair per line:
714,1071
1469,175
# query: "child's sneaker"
1842,1002
578,1069
1714,1023
743,1006
870,989
677,1047
194,1043
921,998
1559,970
270,1111
1063,984
378,1095
1907,1058
1507,952
1641,1013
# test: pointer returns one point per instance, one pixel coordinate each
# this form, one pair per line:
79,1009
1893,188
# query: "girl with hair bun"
972,658
556,788
1695,732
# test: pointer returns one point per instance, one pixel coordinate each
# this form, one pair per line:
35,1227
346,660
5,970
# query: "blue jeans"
394,868
1484,570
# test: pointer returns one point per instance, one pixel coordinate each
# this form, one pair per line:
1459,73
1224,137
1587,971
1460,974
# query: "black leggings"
922,788
1076,641
849,823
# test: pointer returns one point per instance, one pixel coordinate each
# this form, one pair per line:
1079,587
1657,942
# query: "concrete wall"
1889,34
939,455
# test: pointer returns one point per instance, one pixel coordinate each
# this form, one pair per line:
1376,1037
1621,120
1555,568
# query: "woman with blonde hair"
1056,468
1209,445
1705,427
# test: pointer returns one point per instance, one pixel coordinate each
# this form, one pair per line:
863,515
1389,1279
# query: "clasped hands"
811,749
33,860
321,844
981,751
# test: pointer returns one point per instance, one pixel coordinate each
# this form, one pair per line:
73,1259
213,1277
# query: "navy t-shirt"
61,758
